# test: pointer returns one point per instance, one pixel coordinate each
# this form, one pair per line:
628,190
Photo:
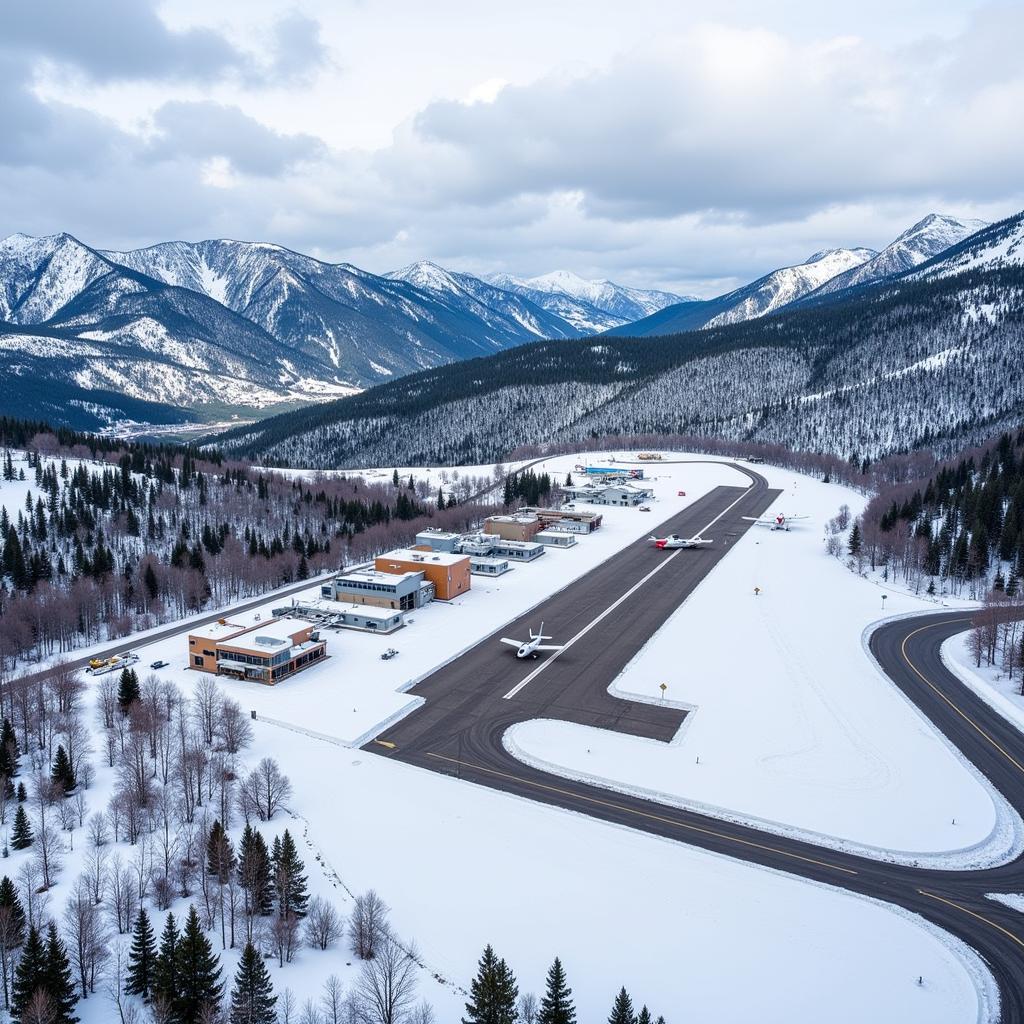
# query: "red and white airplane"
672,541
780,521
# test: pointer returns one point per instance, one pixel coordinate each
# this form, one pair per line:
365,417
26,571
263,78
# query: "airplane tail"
540,635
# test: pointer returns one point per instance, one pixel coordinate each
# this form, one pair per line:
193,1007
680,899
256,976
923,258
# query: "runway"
618,606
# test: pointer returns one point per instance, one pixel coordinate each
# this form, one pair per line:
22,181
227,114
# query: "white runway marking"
615,604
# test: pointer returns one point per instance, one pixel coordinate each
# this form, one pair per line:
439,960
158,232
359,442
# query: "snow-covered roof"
426,557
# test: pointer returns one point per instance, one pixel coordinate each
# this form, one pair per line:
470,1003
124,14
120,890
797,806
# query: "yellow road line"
644,814
980,917
967,718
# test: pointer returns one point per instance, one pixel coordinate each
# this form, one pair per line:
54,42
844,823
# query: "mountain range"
222,329
933,355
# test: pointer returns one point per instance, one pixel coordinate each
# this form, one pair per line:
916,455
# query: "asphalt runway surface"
614,610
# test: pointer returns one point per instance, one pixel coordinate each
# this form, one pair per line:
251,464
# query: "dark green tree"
58,980
12,931
622,1009
9,753
61,772
254,872
289,879
30,974
644,1016
141,958
164,983
252,998
21,833
492,993
199,986
128,691
854,545
557,1007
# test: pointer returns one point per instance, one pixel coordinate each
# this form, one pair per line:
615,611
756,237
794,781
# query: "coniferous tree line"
98,550
494,998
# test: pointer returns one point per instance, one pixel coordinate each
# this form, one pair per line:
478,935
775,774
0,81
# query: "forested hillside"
98,540
893,367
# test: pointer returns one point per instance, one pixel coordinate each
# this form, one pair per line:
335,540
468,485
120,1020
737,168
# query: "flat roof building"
401,590
449,573
482,565
517,550
610,494
556,538
371,619
265,652
513,527
576,520
438,540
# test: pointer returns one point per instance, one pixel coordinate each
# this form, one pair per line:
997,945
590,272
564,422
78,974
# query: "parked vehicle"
388,654
101,666
159,664
645,508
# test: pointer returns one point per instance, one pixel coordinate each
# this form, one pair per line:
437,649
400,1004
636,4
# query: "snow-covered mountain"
504,309
590,306
781,287
765,295
998,246
927,238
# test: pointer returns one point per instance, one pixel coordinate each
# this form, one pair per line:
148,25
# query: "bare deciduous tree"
387,983
323,925
368,925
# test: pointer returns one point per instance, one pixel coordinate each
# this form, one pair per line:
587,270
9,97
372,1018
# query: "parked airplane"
529,648
780,521
672,541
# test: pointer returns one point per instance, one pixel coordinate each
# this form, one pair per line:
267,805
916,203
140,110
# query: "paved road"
471,702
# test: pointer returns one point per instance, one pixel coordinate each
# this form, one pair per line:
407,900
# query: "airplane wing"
511,642
759,521
548,647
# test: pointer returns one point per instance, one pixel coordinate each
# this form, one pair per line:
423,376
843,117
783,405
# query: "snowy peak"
788,284
428,275
993,247
927,238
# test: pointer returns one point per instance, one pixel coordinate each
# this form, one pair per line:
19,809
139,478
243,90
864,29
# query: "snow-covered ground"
792,725
990,682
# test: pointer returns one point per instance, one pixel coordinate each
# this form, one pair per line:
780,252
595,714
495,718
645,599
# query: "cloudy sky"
683,145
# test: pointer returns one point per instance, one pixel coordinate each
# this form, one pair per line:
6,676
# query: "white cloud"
525,140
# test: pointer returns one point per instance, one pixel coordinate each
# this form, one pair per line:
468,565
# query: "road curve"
470,704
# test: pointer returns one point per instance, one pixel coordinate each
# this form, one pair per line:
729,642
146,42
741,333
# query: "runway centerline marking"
642,814
615,604
967,718
980,917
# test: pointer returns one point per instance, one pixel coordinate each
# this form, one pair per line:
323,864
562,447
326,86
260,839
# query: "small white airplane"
529,648
672,541
780,521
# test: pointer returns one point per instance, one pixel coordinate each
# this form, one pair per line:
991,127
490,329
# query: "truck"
101,666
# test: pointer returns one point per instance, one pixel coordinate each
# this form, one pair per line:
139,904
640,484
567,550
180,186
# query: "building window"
197,659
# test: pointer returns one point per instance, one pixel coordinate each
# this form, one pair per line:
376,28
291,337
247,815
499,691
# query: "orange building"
265,652
449,573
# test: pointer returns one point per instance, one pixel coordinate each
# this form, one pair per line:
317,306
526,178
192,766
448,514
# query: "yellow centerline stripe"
980,917
643,814
967,718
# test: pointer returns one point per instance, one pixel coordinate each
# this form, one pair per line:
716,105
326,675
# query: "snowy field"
793,725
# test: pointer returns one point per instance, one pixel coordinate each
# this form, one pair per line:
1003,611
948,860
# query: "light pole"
884,596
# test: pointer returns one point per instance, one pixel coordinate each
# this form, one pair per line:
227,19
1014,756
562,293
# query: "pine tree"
128,689
644,1016
22,793
21,833
622,1009
30,974
62,773
557,1007
254,872
141,958
164,983
492,993
289,880
252,998
9,899
9,752
854,545
58,979
198,984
